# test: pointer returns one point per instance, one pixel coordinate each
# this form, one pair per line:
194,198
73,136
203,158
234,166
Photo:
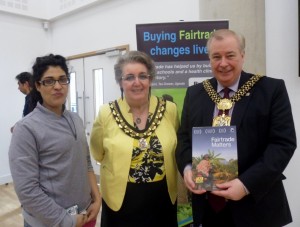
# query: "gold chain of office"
216,98
131,131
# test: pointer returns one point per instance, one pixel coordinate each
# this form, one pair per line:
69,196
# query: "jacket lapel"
209,106
241,106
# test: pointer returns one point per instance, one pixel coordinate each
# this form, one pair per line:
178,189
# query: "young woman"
49,156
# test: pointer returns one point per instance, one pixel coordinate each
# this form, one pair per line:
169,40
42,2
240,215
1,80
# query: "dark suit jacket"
266,141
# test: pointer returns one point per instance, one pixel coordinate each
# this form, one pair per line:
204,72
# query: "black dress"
145,205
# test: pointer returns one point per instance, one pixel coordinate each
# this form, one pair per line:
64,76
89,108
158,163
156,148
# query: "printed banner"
178,49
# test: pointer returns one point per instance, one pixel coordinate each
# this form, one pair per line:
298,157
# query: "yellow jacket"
113,149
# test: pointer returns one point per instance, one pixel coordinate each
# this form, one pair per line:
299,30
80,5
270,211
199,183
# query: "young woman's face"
54,96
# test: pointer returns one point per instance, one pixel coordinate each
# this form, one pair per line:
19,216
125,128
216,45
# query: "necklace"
226,104
141,135
138,119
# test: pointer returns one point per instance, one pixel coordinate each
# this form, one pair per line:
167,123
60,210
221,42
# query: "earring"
122,93
149,95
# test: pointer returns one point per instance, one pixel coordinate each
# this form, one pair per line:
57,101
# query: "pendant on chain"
143,144
138,120
221,120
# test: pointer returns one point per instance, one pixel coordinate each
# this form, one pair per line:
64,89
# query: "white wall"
112,23
22,39
282,48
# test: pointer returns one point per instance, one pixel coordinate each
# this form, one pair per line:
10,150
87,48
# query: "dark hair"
24,77
40,66
168,97
134,57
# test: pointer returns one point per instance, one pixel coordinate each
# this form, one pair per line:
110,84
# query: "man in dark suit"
24,85
266,139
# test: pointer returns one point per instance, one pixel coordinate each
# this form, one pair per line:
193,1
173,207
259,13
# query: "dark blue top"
26,109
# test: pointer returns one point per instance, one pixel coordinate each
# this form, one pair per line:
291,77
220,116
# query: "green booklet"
214,156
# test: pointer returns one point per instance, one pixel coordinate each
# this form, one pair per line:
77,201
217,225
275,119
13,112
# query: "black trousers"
205,216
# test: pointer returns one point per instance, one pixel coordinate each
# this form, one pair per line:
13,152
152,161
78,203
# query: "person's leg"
222,218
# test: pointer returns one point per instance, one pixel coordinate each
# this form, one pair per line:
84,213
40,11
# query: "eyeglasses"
51,82
131,77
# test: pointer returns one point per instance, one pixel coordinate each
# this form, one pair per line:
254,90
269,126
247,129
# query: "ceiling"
47,10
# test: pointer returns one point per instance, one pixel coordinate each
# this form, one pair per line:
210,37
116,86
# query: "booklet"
214,156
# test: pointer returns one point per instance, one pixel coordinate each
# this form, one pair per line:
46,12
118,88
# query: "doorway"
92,84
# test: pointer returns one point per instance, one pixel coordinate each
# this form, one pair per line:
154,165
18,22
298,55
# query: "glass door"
92,84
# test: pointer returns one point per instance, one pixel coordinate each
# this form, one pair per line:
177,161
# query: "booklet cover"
214,156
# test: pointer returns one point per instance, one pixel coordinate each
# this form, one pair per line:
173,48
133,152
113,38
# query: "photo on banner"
180,55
